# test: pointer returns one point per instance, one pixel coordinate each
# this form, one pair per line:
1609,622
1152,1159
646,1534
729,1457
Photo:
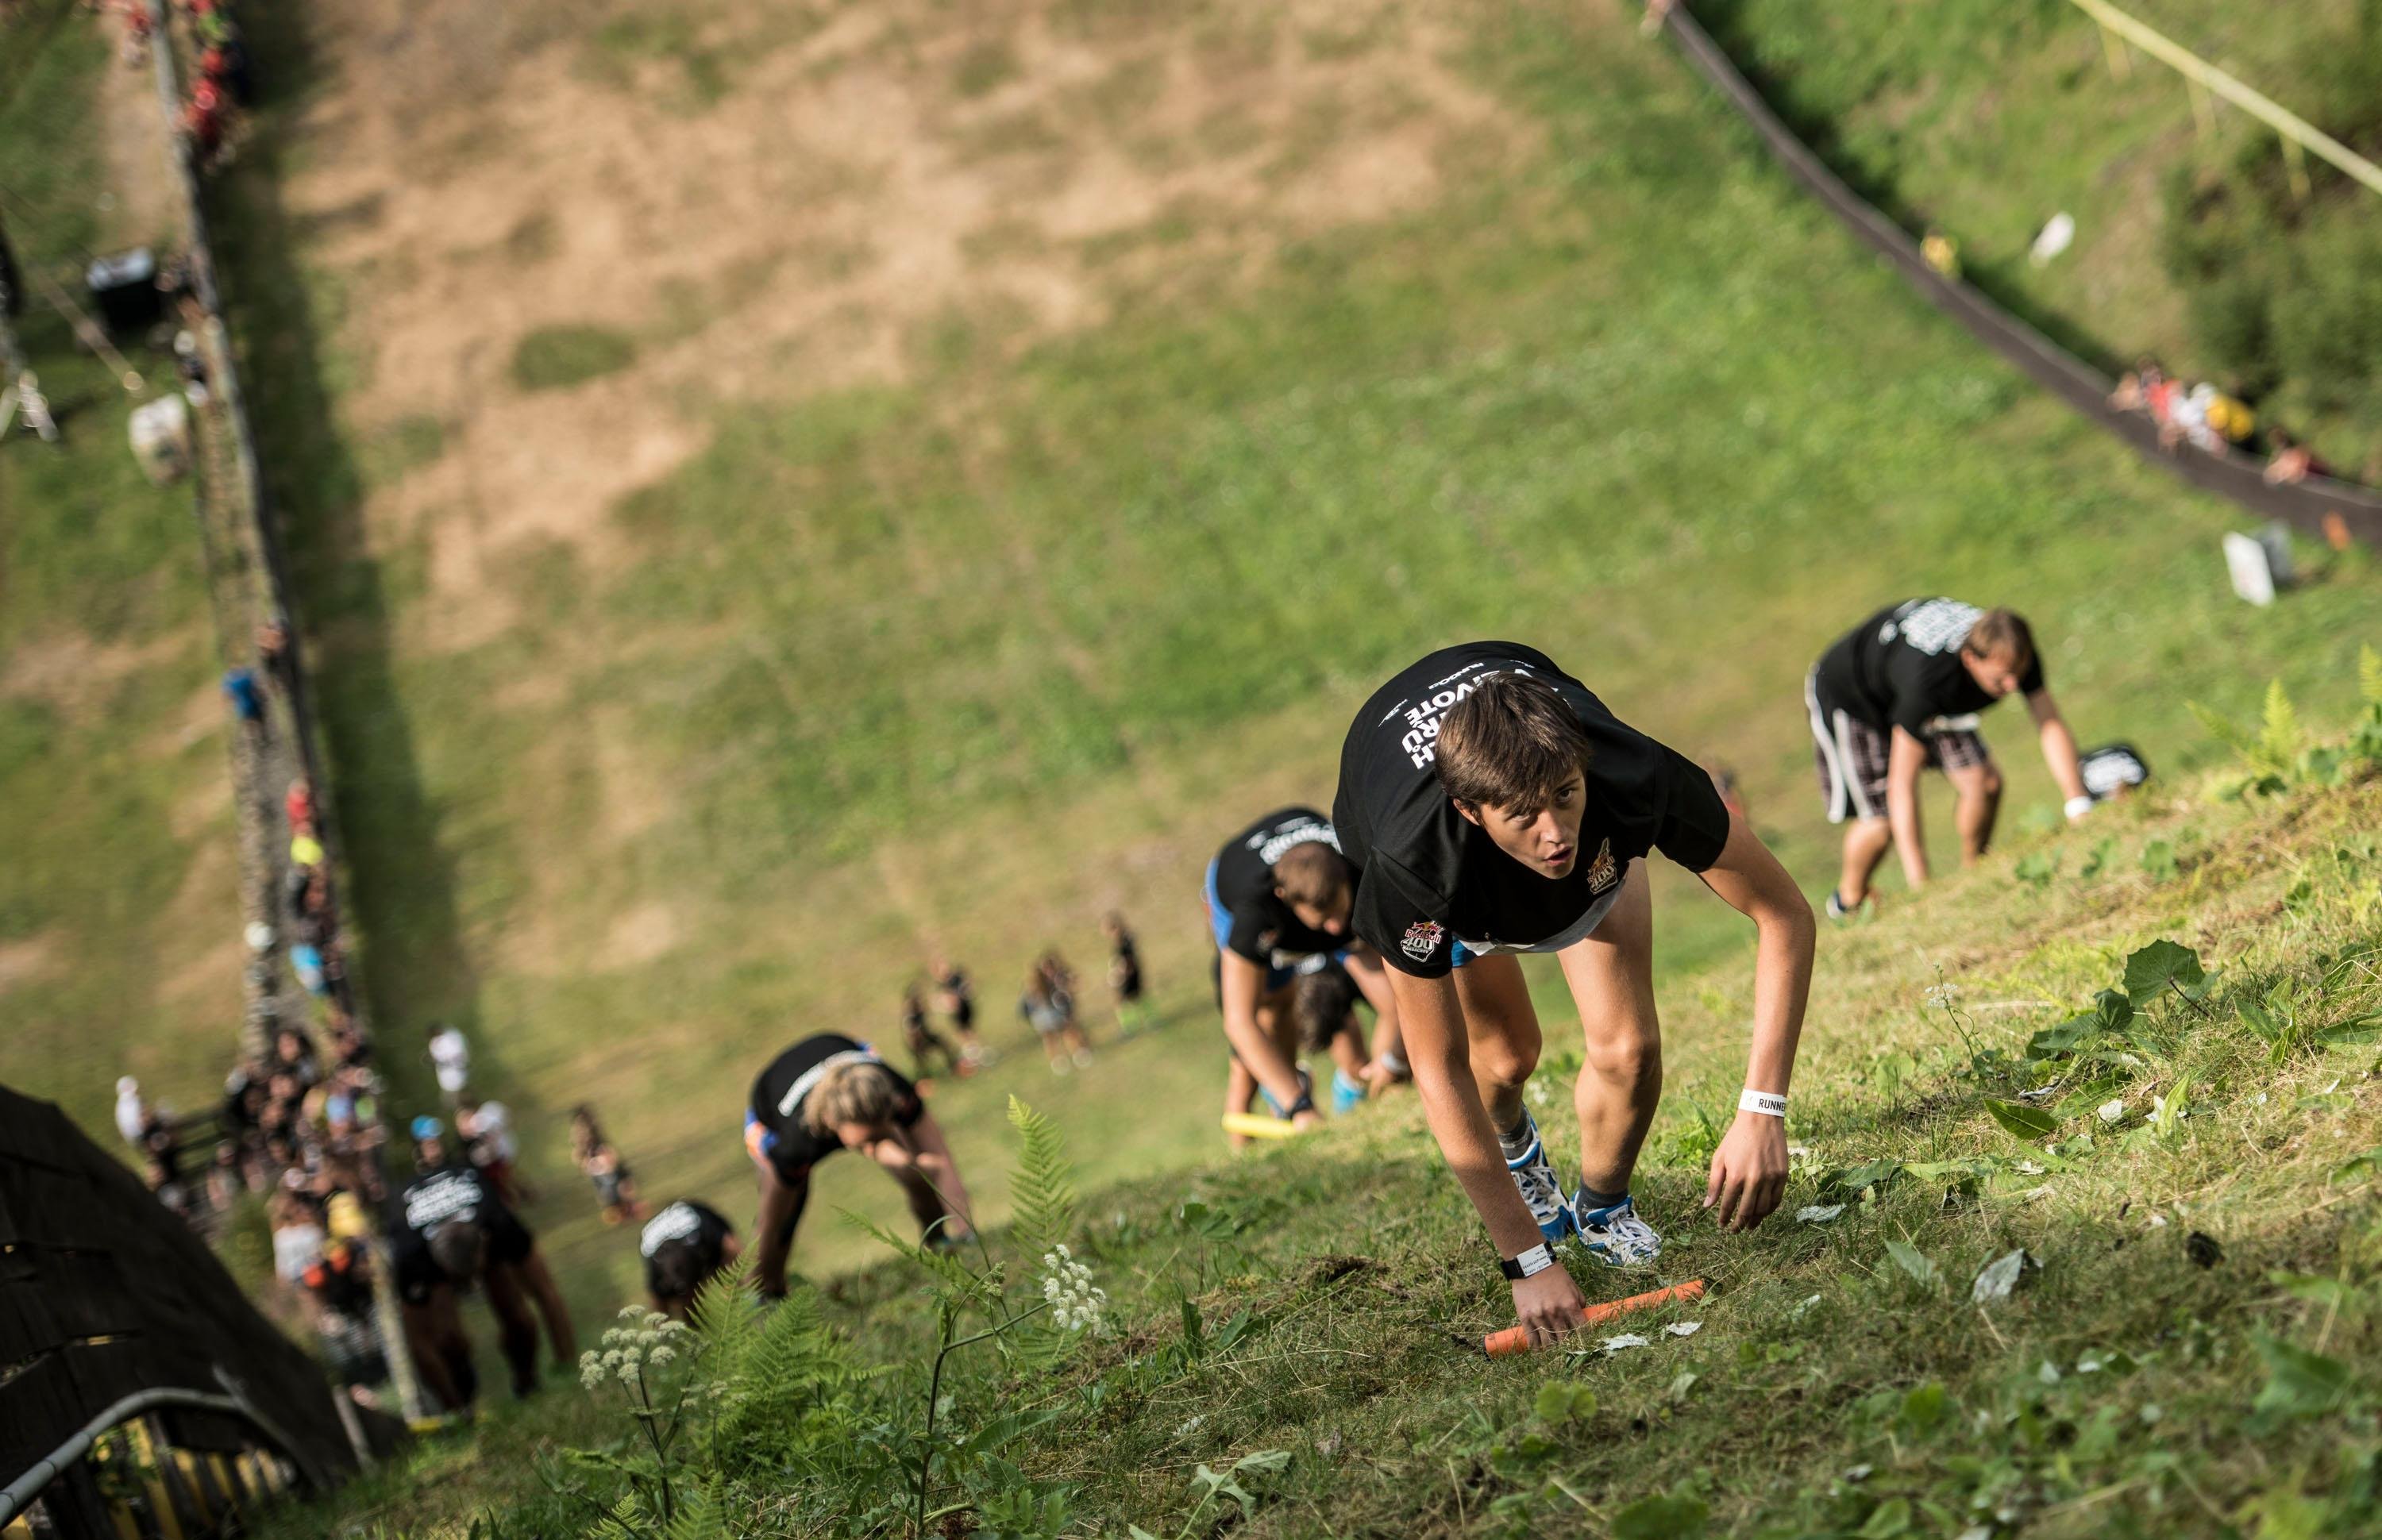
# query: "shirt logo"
1603,872
1422,938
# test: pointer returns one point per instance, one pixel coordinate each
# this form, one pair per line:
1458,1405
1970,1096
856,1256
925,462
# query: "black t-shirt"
698,1224
1901,667
1127,968
777,1096
1263,928
1432,878
457,1192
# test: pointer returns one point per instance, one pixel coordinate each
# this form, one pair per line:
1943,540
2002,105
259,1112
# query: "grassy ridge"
2192,1350
965,661
118,918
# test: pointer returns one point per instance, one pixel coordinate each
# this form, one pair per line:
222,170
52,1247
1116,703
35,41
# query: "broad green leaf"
1679,1517
1998,1277
1565,1401
1926,1406
2163,964
1911,1261
2301,1383
2158,860
2364,1030
2023,1121
1889,1519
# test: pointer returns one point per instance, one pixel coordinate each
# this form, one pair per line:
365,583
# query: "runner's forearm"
1909,839
1451,1104
2059,754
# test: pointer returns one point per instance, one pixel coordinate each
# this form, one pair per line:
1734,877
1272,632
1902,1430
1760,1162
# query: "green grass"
118,907
1989,118
966,661
556,358
2140,1382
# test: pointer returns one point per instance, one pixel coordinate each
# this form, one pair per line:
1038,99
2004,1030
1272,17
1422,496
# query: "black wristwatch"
1536,1260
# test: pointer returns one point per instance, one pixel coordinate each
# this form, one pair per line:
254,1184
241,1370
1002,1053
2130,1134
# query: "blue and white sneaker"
1345,1092
1540,1189
1615,1235
1306,1085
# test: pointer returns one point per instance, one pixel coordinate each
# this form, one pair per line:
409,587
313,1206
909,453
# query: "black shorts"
1852,756
510,1243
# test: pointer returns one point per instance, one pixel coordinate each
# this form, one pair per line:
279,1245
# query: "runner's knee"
1632,1058
1504,1064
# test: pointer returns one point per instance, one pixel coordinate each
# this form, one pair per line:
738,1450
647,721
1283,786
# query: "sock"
1517,1140
1591,1198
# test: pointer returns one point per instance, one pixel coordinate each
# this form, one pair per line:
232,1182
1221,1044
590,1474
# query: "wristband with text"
1769,1103
1536,1260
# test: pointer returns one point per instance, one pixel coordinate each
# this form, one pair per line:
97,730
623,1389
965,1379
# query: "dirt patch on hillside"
75,676
24,960
801,199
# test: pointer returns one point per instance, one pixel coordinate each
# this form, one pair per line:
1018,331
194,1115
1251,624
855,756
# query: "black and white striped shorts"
1852,756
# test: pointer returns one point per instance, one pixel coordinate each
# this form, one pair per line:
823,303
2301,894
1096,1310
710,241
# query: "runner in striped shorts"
1901,692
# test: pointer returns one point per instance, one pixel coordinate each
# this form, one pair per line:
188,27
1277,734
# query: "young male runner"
1899,692
1323,1003
1494,806
1278,896
447,1229
684,1245
828,1093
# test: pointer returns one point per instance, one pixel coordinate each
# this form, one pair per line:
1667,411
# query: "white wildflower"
628,1372
631,1312
660,1356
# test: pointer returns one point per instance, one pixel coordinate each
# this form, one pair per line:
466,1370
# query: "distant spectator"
1940,253
1050,1009
616,1190
293,1054
297,1235
131,1115
2290,461
451,1057
299,805
305,850
923,1040
1124,974
307,963
485,1128
247,700
955,997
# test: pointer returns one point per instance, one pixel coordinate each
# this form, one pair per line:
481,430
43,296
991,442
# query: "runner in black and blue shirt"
1277,895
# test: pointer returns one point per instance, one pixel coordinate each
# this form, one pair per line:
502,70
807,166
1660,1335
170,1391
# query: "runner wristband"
2078,807
1768,1103
1536,1260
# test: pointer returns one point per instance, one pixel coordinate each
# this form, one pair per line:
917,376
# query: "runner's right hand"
1549,1303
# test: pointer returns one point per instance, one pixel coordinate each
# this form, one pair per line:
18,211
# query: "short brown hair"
2001,630
1311,873
1321,1003
857,1091
1510,744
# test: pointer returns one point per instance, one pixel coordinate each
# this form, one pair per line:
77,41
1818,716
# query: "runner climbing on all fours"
827,1093
684,1245
1901,692
1494,806
1278,896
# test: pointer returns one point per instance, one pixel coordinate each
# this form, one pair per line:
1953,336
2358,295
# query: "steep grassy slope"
2192,1349
1009,634
119,947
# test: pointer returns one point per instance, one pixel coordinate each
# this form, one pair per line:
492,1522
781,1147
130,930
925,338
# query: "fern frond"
2223,729
947,1268
1042,1192
2280,736
727,1315
701,1516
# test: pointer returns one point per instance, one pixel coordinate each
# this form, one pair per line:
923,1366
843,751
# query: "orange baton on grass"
1516,1340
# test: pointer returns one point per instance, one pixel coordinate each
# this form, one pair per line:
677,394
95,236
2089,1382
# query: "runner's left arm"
1748,1170
931,1154
2058,747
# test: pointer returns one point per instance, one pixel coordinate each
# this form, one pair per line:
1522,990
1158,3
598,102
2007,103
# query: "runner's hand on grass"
1748,1171
1549,1303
